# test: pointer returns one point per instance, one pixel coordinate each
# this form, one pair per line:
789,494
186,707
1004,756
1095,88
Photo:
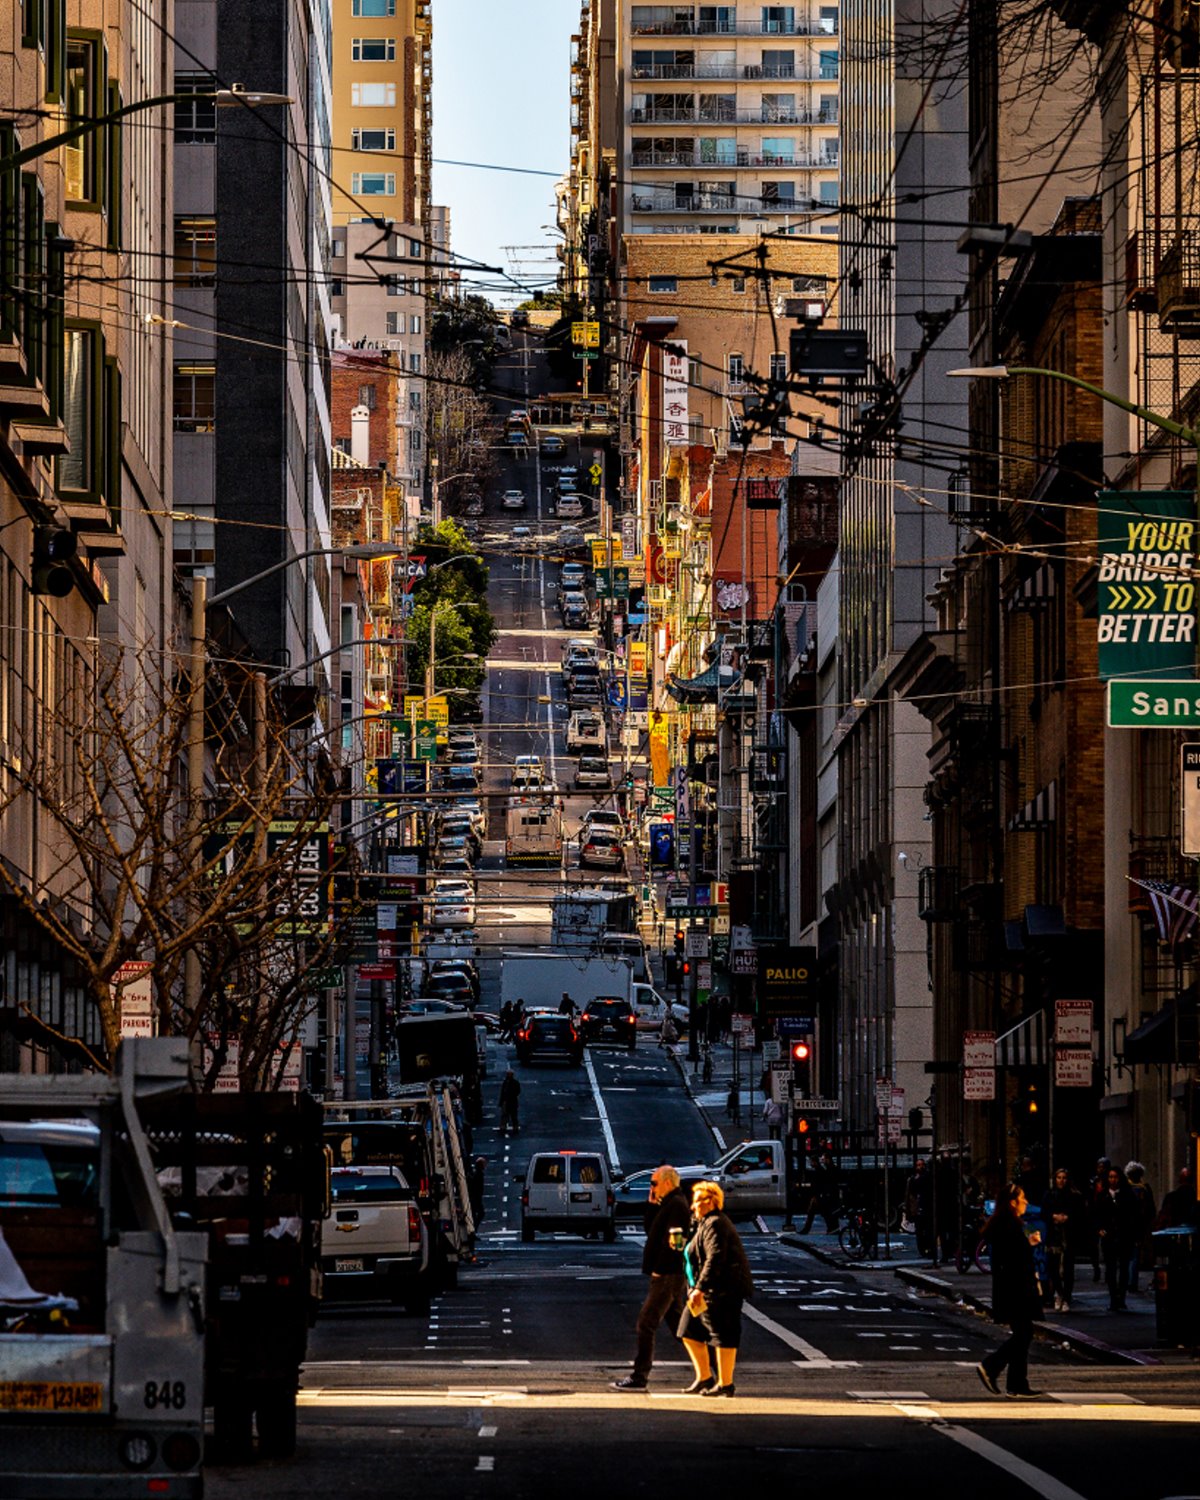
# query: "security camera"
903,858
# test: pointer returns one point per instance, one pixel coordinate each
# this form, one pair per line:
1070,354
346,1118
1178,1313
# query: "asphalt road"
847,1382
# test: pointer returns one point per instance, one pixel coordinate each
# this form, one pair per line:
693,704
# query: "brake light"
574,1034
524,1200
414,1224
611,1199
587,1015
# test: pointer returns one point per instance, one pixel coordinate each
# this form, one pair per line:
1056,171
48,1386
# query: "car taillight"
414,1225
574,1034
587,1016
524,1200
611,1199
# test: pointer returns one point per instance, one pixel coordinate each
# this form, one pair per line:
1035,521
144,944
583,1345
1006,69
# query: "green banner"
1146,599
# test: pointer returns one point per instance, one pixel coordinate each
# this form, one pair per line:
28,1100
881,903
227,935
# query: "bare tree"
128,867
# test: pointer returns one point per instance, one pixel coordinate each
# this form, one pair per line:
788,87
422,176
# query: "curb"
842,1262
1082,1343
681,1063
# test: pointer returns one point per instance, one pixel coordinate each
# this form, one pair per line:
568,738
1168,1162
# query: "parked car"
438,1005
461,779
567,480
513,500
592,773
452,904
521,533
609,1017
601,850
375,1242
570,507
585,733
603,818
553,444
569,1190
574,610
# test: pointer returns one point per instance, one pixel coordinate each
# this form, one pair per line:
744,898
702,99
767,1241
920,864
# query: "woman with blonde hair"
719,1281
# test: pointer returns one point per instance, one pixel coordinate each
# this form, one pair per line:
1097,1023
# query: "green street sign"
1164,704
325,979
663,797
586,353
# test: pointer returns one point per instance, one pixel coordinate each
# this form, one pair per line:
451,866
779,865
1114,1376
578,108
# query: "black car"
550,1036
454,987
609,1017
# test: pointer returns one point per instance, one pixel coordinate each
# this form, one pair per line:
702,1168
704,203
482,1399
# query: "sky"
501,76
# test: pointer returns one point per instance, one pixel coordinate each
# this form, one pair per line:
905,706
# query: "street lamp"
362,640
238,95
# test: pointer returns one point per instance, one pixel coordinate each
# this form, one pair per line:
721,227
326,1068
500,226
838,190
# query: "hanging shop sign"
1146,598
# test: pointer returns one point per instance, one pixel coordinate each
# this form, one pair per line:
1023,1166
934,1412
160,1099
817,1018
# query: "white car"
521,533
453,904
513,500
528,771
570,506
593,774
602,817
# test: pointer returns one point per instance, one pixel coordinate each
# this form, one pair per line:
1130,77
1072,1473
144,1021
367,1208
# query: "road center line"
1037,1479
613,1158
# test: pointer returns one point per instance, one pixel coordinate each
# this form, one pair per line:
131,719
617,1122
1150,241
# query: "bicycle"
859,1235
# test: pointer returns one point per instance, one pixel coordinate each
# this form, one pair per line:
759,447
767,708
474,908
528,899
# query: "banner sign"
1146,597
785,978
675,393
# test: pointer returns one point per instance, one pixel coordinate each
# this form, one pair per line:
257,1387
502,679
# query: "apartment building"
85,453
252,237
729,118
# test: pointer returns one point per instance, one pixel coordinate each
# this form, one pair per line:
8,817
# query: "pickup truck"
753,1176
374,1243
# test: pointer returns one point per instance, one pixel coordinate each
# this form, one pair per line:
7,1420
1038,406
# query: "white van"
569,1190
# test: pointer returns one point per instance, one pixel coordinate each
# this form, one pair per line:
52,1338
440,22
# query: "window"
373,184
395,322
78,408
778,64
718,107
414,401
827,113
373,95
396,286
195,116
780,19
809,285
737,369
86,68
549,1169
778,368
415,249
339,249
373,9
337,287
829,152
778,150
663,284
195,251
373,49
780,107
718,150
829,62
829,19
829,192
373,140
366,396
738,283
587,1170
717,18
414,363
415,325
195,398
779,192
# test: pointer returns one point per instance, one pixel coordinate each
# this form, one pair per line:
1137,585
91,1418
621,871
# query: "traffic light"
687,967
679,945
801,1053
803,1128
53,549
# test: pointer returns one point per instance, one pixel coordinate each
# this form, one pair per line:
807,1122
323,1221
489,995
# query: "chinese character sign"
675,393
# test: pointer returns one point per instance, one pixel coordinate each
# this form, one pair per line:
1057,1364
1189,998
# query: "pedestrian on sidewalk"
668,1033
772,1114
918,1205
719,1281
1065,1215
668,1220
510,1094
1178,1207
1117,1228
1096,1188
1016,1299
1135,1175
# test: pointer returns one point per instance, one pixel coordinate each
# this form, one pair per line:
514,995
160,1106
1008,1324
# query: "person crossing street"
668,1216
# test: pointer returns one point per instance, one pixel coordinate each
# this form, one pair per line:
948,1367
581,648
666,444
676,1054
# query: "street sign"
426,738
1073,1024
1159,704
585,354
741,1025
979,1066
819,1106
586,334
1189,799
597,473
772,1051
324,979
695,943
1073,1068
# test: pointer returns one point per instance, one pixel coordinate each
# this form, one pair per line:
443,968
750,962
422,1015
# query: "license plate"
581,1197
51,1395
348,1265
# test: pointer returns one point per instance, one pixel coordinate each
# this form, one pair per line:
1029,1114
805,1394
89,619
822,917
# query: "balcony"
740,160
764,115
720,203
1178,287
666,72
938,893
682,26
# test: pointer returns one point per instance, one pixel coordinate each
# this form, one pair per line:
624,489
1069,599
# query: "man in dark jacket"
668,1210
1117,1227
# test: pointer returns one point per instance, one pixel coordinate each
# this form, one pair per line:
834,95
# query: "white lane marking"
1095,1398
889,1395
1037,1479
811,1353
487,1432
486,1465
614,1159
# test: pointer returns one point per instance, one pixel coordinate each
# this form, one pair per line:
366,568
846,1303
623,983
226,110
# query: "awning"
703,688
1024,1045
1171,1035
1038,813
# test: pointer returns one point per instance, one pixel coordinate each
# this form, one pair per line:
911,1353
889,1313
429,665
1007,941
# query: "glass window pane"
75,468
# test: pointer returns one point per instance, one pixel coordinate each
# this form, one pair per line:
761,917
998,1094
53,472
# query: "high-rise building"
85,456
729,117
252,240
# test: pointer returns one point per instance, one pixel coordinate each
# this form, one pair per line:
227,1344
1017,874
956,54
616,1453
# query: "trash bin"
1177,1286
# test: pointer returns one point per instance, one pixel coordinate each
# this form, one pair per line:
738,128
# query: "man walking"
668,1216
510,1094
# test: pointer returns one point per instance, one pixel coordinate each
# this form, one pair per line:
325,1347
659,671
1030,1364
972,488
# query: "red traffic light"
802,1126
801,1051
687,968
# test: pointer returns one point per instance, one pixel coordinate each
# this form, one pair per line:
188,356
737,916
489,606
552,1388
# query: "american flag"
1176,909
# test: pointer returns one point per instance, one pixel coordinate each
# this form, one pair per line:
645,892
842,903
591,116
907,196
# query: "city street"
845,1378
